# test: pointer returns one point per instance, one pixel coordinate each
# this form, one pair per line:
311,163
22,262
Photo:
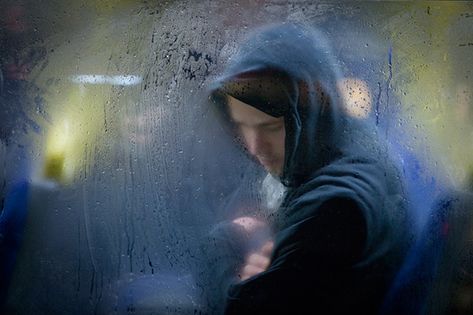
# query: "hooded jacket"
342,230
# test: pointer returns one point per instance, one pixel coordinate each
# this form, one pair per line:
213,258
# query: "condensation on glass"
104,115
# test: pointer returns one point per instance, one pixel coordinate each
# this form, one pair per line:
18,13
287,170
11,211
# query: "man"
342,229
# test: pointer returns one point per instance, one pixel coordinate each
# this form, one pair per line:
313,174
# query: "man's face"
263,135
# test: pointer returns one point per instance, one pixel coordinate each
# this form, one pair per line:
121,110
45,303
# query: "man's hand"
257,262
249,224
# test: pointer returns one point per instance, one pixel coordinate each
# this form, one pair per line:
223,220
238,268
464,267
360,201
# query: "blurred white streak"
106,79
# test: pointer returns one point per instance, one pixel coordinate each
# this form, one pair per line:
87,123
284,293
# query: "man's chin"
275,172
272,168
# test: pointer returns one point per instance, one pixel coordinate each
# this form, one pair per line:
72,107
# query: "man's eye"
274,128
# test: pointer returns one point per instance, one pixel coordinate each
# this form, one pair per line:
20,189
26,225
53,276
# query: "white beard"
272,193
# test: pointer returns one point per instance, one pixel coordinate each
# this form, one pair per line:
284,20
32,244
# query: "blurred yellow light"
78,117
57,149
54,166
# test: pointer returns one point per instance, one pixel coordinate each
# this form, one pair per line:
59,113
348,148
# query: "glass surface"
104,113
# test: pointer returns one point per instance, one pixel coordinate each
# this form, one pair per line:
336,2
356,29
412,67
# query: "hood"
289,70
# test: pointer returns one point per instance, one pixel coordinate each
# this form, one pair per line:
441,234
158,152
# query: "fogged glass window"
116,181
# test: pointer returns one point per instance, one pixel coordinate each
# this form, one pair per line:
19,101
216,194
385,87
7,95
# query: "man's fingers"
250,271
267,248
258,260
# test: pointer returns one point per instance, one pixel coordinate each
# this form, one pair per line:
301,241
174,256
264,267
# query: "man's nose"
255,143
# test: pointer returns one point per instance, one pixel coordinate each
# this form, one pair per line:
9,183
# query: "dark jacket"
343,228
